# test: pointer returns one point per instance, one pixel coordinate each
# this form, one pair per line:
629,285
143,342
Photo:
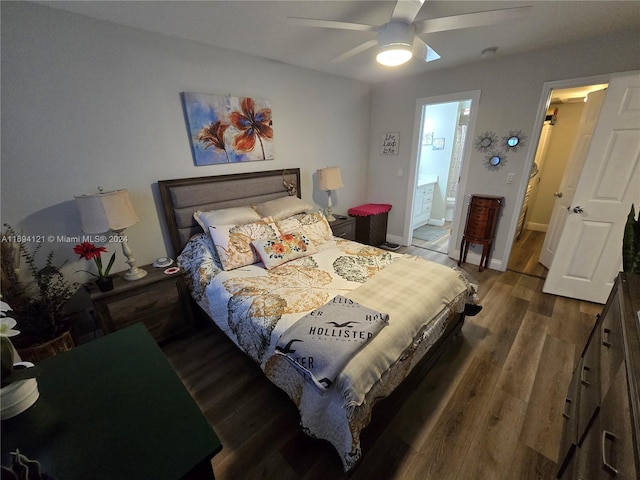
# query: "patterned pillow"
313,225
233,242
282,249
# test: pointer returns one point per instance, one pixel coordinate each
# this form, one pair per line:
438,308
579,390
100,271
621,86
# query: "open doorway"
443,124
559,133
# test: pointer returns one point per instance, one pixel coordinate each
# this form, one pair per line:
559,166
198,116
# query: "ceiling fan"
399,39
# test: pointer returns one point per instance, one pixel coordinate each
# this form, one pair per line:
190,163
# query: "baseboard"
474,259
537,227
396,239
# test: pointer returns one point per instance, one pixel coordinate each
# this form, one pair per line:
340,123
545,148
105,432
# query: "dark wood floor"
489,409
525,253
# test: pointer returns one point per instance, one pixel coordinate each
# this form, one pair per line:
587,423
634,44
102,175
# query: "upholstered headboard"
181,197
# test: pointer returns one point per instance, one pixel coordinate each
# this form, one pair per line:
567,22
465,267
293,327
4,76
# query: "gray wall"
511,89
88,103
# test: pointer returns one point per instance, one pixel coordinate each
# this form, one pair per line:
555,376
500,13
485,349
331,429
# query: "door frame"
543,105
474,95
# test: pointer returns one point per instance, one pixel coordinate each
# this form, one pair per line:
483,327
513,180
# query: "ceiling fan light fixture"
395,40
394,55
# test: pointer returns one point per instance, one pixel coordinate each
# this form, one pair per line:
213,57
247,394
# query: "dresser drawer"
488,202
569,426
615,438
589,385
477,219
611,347
480,210
472,232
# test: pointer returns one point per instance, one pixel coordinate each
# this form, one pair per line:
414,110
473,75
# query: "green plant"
631,244
38,306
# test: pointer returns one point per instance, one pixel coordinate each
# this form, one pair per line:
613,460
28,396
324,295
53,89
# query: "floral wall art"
225,129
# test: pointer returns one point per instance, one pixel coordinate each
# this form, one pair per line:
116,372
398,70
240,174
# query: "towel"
322,342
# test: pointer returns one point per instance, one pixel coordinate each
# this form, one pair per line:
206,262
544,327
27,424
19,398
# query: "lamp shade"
104,211
329,178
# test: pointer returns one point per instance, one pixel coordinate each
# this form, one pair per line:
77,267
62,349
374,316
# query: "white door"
589,252
572,173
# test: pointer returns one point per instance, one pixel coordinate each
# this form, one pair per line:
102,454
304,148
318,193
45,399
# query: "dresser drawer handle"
605,337
583,375
567,404
146,306
605,464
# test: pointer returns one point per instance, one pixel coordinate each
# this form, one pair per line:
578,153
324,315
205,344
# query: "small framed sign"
389,143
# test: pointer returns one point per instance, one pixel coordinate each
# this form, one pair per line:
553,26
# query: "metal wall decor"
495,153
495,161
514,141
486,142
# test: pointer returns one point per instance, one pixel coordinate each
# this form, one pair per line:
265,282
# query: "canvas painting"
225,129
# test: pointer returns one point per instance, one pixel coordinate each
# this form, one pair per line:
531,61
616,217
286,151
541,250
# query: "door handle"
558,194
578,209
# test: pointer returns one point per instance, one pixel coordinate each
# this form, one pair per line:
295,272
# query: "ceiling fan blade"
471,20
424,51
355,51
406,10
311,22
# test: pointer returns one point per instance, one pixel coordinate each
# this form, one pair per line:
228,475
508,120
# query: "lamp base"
135,273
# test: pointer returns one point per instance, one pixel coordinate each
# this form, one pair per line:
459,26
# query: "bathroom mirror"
513,141
495,160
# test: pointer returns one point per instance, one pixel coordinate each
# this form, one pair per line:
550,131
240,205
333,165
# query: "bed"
258,301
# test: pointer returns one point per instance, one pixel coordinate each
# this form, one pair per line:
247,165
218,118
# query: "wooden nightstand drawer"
159,301
156,308
344,228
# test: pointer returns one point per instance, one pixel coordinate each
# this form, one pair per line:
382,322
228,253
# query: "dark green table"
113,409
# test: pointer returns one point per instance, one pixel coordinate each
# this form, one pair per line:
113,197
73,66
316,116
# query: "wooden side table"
113,408
160,301
344,227
482,217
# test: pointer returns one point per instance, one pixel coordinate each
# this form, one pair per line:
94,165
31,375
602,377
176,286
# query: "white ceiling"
260,28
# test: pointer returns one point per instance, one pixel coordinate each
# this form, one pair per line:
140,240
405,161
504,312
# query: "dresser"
601,415
480,227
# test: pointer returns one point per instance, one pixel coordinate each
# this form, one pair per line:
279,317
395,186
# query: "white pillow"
226,216
283,207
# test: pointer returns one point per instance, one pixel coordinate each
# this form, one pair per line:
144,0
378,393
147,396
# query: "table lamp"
110,211
329,179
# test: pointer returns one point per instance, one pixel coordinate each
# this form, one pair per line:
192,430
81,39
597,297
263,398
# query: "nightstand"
160,301
344,227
